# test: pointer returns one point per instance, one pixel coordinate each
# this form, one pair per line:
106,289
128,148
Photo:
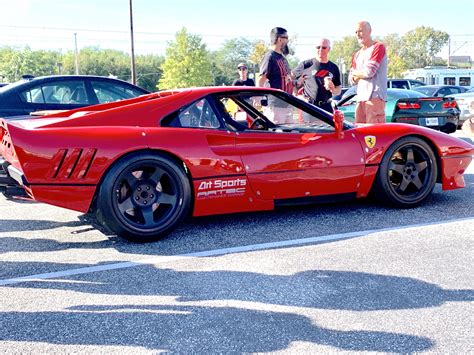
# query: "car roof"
40,79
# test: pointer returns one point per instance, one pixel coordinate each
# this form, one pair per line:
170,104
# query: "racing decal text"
221,188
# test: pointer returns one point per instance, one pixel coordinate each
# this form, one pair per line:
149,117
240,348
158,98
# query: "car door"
284,165
300,159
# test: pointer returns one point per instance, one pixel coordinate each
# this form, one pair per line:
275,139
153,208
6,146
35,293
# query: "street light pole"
132,64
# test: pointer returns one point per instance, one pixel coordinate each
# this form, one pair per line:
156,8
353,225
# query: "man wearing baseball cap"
243,79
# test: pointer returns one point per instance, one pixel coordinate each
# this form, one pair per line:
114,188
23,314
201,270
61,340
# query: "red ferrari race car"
143,164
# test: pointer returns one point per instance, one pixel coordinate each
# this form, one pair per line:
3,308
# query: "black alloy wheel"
407,174
143,197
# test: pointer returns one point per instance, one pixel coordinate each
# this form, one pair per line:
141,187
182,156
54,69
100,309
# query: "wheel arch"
165,153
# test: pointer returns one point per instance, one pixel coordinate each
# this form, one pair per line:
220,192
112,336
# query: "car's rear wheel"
407,174
143,197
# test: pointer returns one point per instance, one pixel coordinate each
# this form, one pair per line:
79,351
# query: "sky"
60,24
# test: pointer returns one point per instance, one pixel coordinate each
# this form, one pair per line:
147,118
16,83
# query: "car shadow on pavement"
227,231
242,311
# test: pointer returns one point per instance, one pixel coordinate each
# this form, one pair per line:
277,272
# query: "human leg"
375,110
360,116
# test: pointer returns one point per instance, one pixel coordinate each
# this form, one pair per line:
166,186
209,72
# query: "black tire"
143,197
407,174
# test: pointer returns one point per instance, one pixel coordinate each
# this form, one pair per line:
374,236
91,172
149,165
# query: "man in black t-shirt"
243,79
275,72
274,67
322,78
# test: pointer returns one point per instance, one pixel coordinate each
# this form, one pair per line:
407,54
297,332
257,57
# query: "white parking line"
215,252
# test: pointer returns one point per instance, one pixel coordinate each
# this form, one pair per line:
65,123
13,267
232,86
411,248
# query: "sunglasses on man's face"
285,37
243,68
321,47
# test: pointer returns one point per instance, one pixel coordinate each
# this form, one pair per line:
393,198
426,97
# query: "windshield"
403,94
425,90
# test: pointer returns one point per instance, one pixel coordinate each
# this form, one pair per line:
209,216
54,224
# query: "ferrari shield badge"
370,141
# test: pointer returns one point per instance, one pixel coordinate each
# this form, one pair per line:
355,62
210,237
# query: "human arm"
372,65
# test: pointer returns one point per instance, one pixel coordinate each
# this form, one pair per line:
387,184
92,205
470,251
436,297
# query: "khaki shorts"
372,111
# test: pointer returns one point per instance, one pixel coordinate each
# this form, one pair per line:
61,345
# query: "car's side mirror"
338,118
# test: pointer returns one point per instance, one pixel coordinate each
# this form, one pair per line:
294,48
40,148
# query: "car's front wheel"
407,174
143,197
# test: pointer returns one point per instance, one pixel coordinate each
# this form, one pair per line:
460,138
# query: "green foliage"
421,45
149,71
187,63
258,52
17,62
226,59
96,61
396,63
342,51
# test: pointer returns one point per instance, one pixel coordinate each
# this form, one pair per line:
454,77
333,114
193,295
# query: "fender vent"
71,163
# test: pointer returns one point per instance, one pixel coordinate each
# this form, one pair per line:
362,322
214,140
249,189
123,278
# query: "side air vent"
71,163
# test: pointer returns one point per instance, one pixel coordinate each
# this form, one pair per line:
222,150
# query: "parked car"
184,153
465,101
337,98
409,106
441,90
62,92
404,84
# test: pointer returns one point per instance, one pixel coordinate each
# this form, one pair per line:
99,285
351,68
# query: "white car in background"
465,103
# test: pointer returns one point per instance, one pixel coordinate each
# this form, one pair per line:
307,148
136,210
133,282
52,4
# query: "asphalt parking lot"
355,277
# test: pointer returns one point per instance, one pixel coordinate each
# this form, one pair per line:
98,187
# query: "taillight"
408,105
449,104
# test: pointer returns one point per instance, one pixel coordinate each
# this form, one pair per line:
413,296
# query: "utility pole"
132,64
449,51
76,55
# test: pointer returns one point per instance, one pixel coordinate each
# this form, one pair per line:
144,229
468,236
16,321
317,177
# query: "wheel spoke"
396,167
421,166
417,182
147,213
130,179
166,199
156,176
126,204
404,184
410,157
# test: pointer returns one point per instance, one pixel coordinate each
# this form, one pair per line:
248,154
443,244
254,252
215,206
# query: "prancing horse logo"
370,141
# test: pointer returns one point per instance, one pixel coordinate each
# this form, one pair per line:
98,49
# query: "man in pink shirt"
369,73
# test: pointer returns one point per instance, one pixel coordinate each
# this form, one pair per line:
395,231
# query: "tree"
17,62
148,70
187,63
96,61
226,59
341,54
396,63
421,45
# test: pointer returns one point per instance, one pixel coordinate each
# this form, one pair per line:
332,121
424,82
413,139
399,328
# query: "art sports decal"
370,141
227,187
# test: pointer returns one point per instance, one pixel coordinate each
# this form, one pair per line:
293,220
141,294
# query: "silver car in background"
465,102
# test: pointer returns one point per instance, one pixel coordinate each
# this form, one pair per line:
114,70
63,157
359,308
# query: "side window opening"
199,114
